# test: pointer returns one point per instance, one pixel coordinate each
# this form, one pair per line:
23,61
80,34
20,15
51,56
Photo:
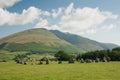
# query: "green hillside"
81,42
43,40
40,40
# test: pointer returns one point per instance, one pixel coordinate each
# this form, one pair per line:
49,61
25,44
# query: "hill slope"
43,40
40,40
81,42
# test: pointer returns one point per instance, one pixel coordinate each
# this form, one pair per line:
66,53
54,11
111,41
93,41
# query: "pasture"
64,71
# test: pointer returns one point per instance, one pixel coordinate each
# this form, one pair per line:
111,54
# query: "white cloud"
69,9
60,11
7,3
46,13
43,23
27,16
88,31
108,27
91,31
54,27
79,19
116,42
56,13
4,16
67,19
110,15
81,33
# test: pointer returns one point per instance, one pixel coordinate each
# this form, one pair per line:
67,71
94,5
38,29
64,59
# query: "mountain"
43,40
83,43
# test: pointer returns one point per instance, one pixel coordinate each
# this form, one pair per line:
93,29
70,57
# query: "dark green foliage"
114,55
61,55
22,56
117,49
20,59
79,56
102,55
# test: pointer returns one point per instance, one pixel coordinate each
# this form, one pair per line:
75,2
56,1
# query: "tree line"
113,54
102,55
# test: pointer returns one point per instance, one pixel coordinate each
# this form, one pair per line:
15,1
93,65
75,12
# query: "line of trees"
113,54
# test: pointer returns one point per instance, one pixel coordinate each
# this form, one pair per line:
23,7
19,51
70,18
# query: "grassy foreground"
65,71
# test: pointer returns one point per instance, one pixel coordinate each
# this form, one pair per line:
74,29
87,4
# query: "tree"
61,55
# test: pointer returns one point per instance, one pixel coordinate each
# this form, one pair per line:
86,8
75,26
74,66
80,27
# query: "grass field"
65,71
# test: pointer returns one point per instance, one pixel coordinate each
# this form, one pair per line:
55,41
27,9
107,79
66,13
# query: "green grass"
65,71
7,55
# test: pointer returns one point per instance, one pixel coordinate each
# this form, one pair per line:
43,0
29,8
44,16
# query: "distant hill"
83,43
44,41
40,40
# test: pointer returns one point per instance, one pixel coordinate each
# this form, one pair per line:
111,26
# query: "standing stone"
33,61
47,61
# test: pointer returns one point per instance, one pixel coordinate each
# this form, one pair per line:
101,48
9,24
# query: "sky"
94,19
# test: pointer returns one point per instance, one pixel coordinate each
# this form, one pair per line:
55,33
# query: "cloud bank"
27,16
7,3
72,19
69,19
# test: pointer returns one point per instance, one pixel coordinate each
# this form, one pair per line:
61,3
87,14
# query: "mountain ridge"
83,42
42,39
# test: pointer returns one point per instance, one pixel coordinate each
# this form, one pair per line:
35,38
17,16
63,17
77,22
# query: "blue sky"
95,19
